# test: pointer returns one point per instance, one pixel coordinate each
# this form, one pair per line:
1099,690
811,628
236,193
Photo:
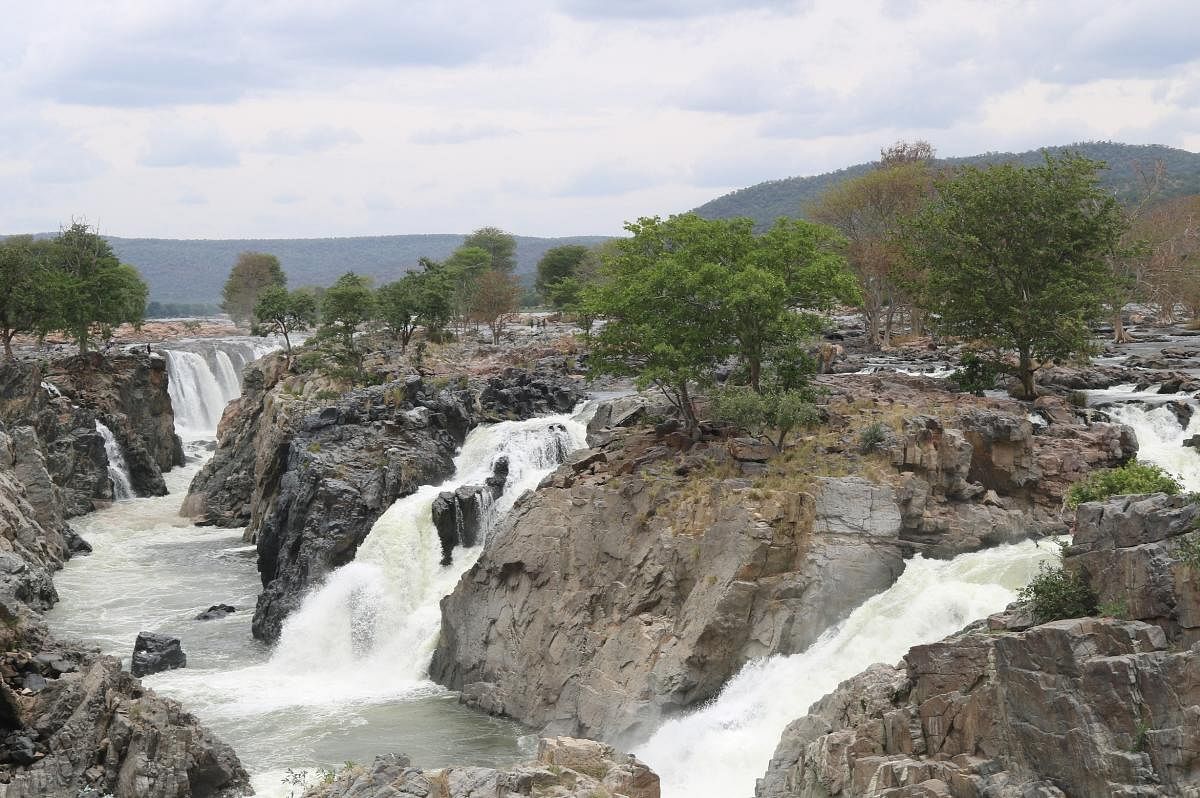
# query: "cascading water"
205,376
118,469
720,750
347,679
1160,439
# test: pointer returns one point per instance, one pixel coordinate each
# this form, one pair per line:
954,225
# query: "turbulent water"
118,469
719,751
1160,440
347,679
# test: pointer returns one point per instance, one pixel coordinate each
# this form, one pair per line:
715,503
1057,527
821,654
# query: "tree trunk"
8,353
81,337
287,345
1120,334
755,373
689,412
887,326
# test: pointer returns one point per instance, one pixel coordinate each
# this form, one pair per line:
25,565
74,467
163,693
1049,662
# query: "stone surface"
564,768
154,653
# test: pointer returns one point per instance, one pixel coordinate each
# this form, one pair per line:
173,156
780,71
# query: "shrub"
1057,593
1131,478
975,374
872,436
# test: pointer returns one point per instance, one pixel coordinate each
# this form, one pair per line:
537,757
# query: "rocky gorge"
74,723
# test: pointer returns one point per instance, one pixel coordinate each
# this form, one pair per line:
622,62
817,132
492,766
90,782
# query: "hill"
766,202
193,271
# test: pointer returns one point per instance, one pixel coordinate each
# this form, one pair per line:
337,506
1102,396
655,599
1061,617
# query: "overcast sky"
301,119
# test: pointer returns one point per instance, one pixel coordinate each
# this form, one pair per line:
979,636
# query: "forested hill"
766,202
193,271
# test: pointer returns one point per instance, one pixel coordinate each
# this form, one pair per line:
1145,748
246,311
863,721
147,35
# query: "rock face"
154,653
1090,706
565,767
601,606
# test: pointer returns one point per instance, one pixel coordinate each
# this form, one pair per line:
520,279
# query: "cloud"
666,9
603,180
302,141
179,146
459,134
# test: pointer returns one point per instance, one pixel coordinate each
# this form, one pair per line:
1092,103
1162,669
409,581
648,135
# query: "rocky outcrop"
71,721
154,653
128,393
621,593
564,767
1089,706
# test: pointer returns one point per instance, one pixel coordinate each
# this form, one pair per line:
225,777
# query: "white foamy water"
720,750
118,469
205,376
1160,439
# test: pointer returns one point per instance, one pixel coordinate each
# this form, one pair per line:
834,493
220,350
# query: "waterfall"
378,616
118,469
720,750
366,635
205,376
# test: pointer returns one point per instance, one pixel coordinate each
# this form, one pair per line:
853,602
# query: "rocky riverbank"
1087,706
722,550
73,723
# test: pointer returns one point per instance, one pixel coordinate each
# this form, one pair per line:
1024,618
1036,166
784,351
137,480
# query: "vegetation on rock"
1129,479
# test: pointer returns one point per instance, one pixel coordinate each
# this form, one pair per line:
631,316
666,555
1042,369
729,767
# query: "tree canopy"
282,312
500,246
253,272
1017,257
682,295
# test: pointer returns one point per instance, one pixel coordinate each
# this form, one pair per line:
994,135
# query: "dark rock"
153,653
18,749
34,682
76,545
1193,441
216,612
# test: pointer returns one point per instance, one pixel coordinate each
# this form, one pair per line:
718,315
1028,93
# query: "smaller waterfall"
721,749
1160,439
205,376
118,469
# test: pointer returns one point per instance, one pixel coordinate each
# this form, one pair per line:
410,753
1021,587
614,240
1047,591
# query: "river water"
347,679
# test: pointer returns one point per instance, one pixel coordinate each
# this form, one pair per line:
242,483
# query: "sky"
180,119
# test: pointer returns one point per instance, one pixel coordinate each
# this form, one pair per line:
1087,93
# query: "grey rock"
153,653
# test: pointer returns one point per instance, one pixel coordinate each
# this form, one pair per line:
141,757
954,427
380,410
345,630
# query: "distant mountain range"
193,271
766,202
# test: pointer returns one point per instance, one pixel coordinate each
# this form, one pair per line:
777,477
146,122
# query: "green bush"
1131,478
975,374
872,437
1057,593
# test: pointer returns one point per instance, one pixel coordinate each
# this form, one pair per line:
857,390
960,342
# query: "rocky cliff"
71,722
1088,706
646,571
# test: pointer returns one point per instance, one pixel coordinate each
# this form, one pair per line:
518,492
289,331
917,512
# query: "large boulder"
154,653
619,595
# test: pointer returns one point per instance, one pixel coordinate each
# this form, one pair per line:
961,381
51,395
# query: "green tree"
347,304
682,295
558,264
26,303
500,246
253,272
282,312
460,274
1018,257
399,306
89,287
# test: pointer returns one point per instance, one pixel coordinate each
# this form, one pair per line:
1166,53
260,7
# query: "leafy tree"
500,246
26,303
869,210
347,304
89,287
279,311
252,272
399,305
558,264
460,273
1017,257
496,298
777,410
682,295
